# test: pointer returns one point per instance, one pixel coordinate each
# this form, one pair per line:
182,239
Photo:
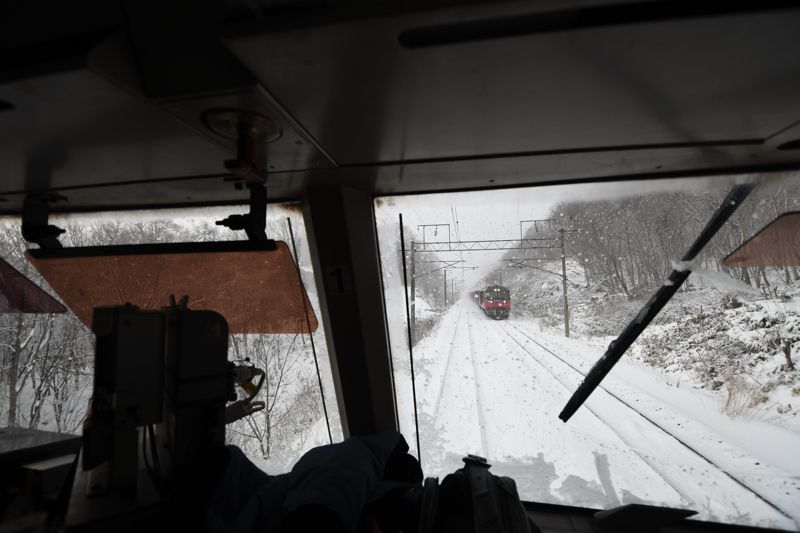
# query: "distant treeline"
629,245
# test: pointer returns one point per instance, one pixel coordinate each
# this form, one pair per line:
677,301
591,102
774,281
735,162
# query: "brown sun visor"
255,285
777,244
18,294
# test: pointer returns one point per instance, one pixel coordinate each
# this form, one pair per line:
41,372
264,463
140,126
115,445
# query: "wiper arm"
664,293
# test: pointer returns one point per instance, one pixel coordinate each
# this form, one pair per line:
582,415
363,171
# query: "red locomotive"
495,301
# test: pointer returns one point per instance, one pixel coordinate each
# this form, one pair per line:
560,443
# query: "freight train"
495,301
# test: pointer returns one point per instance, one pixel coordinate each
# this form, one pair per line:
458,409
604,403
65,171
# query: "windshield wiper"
619,346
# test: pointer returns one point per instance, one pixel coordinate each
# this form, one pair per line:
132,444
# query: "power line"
550,243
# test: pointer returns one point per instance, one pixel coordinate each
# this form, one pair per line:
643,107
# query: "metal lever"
243,376
242,408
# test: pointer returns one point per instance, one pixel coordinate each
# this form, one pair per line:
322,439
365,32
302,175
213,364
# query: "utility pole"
445,287
413,294
424,228
548,224
564,283
448,265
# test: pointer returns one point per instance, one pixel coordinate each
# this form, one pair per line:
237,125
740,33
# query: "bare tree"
47,360
290,396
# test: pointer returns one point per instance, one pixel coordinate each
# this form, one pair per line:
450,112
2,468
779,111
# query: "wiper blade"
620,345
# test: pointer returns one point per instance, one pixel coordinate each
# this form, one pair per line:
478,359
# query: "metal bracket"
35,229
253,223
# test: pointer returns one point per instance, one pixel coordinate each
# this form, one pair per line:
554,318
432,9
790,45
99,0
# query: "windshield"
497,293
48,359
701,413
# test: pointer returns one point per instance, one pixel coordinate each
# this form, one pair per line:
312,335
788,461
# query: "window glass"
47,359
701,413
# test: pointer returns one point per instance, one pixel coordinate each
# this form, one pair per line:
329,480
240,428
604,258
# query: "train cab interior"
270,224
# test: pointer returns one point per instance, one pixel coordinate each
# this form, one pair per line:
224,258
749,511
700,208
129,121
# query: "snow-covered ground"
423,310
736,350
495,388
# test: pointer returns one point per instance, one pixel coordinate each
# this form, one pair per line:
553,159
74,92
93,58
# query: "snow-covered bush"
744,397
736,348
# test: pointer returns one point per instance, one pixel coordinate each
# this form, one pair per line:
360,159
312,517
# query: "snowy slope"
755,454
495,388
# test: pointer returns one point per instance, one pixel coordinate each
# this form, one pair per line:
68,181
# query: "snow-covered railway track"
447,366
507,327
478,394
686,497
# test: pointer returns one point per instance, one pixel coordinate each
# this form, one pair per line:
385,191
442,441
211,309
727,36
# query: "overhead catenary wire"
445,267
410,343
310,335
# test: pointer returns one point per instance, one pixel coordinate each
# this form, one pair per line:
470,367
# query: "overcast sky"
474,215
496,214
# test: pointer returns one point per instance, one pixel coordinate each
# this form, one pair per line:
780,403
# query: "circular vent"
236,123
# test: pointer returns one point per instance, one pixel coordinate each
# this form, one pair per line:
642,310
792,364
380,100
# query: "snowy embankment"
495,388
738,350
759,454
423,311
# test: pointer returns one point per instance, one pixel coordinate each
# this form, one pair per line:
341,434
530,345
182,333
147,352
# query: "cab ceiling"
104,107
